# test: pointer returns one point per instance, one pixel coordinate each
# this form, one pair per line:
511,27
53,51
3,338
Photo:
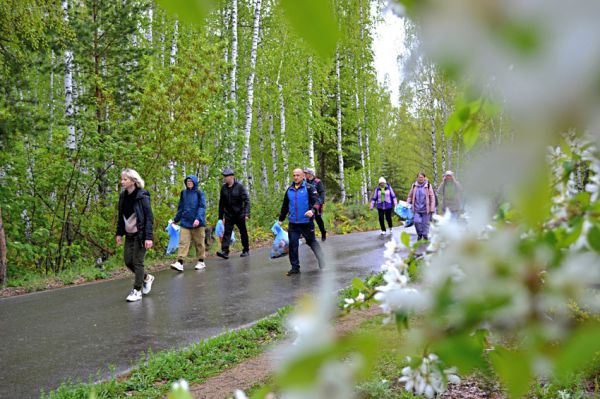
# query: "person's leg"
227,236
185,236
308,231
425,228
321,224
418,220
128,253
198,237
388,217
241,224
139,253
294,234
381,221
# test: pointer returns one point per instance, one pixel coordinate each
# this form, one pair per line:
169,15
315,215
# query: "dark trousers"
388,217
320,223
241,224
306,230
134,254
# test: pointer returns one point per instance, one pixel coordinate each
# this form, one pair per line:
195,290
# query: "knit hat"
309,171
449,173
382,180
227,172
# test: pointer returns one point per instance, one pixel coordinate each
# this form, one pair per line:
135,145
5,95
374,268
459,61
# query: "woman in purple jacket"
385,199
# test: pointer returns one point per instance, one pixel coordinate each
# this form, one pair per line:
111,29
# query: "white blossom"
428,379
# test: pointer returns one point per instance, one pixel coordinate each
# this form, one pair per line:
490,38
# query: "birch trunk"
311,135
173,53
51,106
68,82
338,97
148,32
250,99
230,150
2,253
282,125
261,146
274,154
363,178
367,144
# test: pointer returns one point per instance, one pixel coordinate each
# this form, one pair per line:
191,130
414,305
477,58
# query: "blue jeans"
422,224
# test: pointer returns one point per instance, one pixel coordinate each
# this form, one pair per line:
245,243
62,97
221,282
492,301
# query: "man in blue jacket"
299,207
191,216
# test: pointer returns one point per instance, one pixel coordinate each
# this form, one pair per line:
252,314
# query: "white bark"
230,150
150,16
311,134
282,126
250,99
68,82
52,60
274,154
363,177
173,54
338,97
367,144
261,146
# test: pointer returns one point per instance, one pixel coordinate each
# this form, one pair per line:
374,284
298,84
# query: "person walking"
234,210
135,223
312,179
191,216
422,199
451,192
385,200
299,207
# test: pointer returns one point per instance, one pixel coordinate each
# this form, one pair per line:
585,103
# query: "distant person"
451,192
299,207
234,210
422,199
385,200
318,185
191,216
135,221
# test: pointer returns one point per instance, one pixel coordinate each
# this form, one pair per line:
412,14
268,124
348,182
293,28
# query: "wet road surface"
50,337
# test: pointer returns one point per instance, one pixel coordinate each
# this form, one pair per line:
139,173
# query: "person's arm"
221,205
393,196
374,198
432,199
201,214
313,200
149,218
285,207
410,194
245,202
321,191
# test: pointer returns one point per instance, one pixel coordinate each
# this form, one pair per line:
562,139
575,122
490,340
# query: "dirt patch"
256,370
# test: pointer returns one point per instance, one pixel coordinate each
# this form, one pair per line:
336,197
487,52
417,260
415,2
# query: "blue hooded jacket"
191,205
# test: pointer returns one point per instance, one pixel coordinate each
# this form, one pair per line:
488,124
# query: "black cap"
227,172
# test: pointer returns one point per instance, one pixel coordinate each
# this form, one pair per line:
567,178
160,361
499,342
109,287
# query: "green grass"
152,377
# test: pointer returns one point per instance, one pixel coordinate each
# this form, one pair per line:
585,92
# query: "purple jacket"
390,200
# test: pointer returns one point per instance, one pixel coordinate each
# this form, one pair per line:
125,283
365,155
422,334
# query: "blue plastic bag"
403,209
220,231
174,231
281,243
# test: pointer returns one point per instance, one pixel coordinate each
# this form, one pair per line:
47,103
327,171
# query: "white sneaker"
134,295
382,233
147,287
177,266
200,266
390,231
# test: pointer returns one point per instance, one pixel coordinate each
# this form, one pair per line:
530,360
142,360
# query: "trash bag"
404,211
220,231
173,231
281,243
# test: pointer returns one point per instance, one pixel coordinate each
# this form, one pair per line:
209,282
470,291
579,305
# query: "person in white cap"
318,185
451,192
385,200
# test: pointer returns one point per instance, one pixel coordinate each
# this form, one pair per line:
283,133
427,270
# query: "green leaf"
593,238
514,370
190,11
405,238
314,21
581,348
453,124
471,135
464,351
358,284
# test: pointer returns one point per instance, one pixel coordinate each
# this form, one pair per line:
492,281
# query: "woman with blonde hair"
135,223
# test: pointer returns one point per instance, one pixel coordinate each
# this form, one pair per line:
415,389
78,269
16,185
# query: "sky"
388,44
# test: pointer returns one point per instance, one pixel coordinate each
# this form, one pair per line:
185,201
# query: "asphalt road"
75,333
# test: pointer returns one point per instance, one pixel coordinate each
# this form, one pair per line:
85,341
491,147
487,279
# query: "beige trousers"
188,235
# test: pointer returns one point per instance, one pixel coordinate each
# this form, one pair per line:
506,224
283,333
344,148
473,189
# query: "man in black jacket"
318,185
234,210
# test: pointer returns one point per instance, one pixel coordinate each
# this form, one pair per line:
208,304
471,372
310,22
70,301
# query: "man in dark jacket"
191,216
234,210
299,207
318,185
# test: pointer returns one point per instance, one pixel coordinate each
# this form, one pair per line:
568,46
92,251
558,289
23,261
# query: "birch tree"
250,93
274,156
338,101
68,83
230,151
311,135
